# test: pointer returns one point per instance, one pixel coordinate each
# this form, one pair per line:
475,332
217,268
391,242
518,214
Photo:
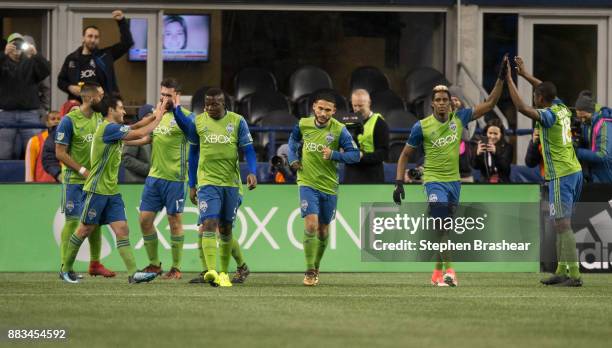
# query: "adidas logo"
594,240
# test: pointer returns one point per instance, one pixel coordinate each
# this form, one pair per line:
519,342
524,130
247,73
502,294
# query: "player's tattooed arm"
517,101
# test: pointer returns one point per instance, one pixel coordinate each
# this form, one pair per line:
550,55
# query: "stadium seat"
419,83
304,107
399,119
197,100
306,80
369,78
251,80
385,101
261,104
278,118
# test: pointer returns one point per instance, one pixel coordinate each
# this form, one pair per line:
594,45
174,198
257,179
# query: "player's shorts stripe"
86,206
100,169
183,157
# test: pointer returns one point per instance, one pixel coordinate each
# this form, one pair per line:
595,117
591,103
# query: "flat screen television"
184,38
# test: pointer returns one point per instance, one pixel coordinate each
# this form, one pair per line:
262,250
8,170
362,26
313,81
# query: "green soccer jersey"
106,153
169,158
441,142
77,132
319,173
219,141
556,139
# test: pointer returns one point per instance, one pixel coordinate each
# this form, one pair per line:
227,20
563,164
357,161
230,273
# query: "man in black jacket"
21,70
92,64
373,144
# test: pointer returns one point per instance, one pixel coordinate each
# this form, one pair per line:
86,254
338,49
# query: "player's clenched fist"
327,152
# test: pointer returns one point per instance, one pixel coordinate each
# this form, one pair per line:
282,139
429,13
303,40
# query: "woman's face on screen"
174,36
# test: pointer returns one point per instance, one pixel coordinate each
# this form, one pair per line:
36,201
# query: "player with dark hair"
73,139
216,137
440,137
165,184
103,203
563,172
321,138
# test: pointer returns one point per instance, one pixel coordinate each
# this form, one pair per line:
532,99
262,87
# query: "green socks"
320,250
561,265
568,253
225,250
237,253
70,227
177,250
71,252
123,246
311,244
150,243
202,258
95,244
209,249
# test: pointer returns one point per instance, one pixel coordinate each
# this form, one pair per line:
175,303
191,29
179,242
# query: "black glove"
398,193
503,70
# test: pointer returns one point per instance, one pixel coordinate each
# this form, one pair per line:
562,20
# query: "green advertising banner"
268,226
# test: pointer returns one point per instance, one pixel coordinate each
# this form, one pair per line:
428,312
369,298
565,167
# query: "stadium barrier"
268,227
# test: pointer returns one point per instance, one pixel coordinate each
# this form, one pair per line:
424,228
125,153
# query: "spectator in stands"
44,87
34,171
533,157
373,143
136,160
21,70
597,151
50,162
493,154
89,63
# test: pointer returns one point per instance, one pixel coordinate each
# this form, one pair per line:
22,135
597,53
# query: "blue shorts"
443,197
72,200
218,202
323,204
563,192
102,209
160,193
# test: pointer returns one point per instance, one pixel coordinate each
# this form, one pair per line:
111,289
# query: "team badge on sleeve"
60,136
124,129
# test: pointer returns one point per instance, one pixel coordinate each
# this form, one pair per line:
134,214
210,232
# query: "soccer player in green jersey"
562,169
103,203
73,148
322,138
216,136
439,135
165,184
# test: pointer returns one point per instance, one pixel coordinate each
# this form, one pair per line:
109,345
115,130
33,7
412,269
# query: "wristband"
82,170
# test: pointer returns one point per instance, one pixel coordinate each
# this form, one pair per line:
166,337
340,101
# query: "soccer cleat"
152,269
311,278
199,279
571,282
212,278
554,279
98,269
224,280
69,277
450,278
437,278
141,277
79,276
174,273
241,274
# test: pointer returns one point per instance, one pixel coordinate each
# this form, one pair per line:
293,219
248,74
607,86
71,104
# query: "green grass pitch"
348,310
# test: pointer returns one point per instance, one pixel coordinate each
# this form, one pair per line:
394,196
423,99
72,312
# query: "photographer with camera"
21,71
373,143
595,149
493,154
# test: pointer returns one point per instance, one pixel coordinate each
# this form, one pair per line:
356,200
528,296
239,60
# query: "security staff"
373,143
